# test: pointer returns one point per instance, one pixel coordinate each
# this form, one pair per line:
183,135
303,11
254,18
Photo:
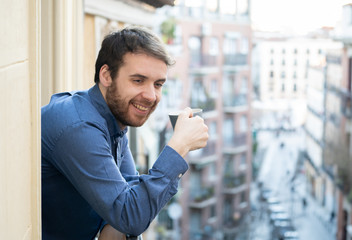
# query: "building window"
212,170
272,51
244,86
212,211
283,63
283,87
214,88
243,197
271,86
271,74
214,46
283,51
243,161
243,123
295,51
283,75
295,87
272,62
196,221
212,130
228,131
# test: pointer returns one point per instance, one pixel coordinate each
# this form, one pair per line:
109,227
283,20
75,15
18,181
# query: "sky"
298,16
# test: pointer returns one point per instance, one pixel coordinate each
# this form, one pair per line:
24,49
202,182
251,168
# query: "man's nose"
149,93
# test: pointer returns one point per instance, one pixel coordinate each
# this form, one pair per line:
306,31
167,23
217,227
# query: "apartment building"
283,65
338,127
211,43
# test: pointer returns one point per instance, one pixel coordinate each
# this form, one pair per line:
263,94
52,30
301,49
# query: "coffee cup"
174,115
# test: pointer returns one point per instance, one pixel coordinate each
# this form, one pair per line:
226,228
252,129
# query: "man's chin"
137,123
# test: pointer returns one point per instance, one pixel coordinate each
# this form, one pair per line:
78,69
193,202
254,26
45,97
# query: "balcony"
237,59
232,181
235,102
207,105
204,155
202,60
235,144
233,62
346,107
202,197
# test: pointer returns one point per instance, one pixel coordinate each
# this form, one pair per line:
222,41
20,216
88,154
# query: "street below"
281,180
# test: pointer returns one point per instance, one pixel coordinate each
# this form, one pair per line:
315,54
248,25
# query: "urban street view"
271,79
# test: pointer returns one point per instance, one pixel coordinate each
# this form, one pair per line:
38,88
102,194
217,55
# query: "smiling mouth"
139,107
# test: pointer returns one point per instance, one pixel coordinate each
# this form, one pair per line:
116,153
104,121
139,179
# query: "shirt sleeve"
82,153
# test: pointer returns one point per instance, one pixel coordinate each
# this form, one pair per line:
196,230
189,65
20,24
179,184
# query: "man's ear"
104,76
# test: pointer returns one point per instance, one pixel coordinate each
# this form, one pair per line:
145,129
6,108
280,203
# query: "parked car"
279,217
265,193
290,235
273,200
284,232
276,208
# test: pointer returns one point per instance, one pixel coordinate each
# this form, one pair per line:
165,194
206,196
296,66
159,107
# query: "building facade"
211,43
20,201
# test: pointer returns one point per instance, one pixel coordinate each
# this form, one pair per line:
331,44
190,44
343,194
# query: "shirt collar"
100,104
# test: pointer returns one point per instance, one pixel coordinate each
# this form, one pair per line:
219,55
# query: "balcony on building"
233,221
346,107
235,61
202,196
319,113
233,184
204,155
207,103
235,143
343,32
235,102
200,97
203,64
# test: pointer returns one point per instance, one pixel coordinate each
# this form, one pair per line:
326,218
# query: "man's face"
136,90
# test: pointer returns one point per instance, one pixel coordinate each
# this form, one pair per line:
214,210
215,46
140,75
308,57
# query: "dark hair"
129,40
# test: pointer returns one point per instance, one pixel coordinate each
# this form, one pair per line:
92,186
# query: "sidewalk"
314,217
277,170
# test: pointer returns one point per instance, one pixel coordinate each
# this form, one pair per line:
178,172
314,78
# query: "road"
277,171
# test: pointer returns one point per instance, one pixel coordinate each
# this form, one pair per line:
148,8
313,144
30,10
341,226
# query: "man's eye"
137,81
159,85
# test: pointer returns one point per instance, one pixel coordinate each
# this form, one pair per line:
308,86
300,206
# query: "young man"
89,180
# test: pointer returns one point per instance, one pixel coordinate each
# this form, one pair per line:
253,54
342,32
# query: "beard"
119,107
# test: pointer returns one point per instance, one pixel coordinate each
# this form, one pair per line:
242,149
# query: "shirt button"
180,175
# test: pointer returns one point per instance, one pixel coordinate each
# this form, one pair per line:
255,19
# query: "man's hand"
190,133
110,233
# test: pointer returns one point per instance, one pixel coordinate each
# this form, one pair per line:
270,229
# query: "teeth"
140,107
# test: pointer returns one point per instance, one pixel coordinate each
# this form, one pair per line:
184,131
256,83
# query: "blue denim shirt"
88,172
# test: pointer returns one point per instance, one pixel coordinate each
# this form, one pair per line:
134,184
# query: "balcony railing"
235,100
202,60
201,197
207,105
235,59
237,140
199,156
346,107
232,181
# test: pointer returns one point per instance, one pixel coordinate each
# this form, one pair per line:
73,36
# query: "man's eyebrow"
139,76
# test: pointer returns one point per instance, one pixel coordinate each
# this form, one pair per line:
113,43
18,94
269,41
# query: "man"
89,180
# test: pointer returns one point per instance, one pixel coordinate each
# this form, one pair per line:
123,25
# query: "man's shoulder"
69,108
